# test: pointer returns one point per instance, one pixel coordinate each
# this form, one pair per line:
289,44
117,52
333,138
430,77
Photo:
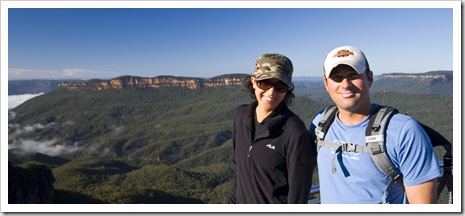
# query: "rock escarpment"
433,77
230,80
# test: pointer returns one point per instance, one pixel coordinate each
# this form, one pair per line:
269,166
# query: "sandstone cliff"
432,76
229,80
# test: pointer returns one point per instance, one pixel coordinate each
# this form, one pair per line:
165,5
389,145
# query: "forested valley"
165,145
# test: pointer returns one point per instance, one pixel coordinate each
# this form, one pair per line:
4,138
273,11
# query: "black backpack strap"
375,139
438,140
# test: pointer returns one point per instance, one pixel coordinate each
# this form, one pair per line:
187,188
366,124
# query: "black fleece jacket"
276,164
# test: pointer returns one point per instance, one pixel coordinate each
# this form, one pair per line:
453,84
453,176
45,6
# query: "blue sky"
205,42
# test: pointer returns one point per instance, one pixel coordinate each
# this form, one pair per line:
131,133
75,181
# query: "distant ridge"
226,80
430,73
435,82
433,75
34,86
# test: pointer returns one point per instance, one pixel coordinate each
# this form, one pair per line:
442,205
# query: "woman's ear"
254,82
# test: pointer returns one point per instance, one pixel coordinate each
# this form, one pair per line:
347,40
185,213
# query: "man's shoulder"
405,126
399,117
403,119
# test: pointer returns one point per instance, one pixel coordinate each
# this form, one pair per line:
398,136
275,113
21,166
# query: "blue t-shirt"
357,179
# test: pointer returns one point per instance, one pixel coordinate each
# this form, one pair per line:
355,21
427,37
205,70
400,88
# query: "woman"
273,156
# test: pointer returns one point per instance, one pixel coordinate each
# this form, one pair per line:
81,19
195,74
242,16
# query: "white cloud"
47,147
11,114
74,72
67,73
15,100
66,123
22,73
52,147
117,129
16,130
33,128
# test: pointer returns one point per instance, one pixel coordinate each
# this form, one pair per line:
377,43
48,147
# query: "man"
273,156
352,177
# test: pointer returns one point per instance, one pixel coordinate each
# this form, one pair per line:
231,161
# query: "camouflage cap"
274,65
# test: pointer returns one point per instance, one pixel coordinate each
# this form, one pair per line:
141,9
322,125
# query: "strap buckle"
447,164
376,149
349,147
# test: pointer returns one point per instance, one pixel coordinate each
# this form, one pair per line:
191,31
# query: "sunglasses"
339,78
267,84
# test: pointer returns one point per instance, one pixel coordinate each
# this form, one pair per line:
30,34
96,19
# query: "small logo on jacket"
270,146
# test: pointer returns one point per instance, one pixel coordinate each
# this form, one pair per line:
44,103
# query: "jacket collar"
273,122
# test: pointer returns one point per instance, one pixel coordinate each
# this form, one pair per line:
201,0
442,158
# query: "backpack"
375,145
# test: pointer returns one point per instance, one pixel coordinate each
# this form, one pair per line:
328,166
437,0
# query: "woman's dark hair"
288,99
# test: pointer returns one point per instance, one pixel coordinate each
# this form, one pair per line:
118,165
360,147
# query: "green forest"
166,145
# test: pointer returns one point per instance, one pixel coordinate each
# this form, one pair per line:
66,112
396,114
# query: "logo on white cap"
345,55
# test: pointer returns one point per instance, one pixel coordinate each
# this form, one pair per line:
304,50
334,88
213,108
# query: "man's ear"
370,77
325,81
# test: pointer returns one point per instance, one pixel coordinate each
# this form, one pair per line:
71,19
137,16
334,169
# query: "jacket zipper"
250,148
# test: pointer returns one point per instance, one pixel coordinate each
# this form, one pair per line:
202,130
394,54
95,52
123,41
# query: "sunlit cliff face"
439,77
156,82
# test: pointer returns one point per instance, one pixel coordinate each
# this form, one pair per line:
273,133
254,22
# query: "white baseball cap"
347,55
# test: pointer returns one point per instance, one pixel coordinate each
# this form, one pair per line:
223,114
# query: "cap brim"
275,75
